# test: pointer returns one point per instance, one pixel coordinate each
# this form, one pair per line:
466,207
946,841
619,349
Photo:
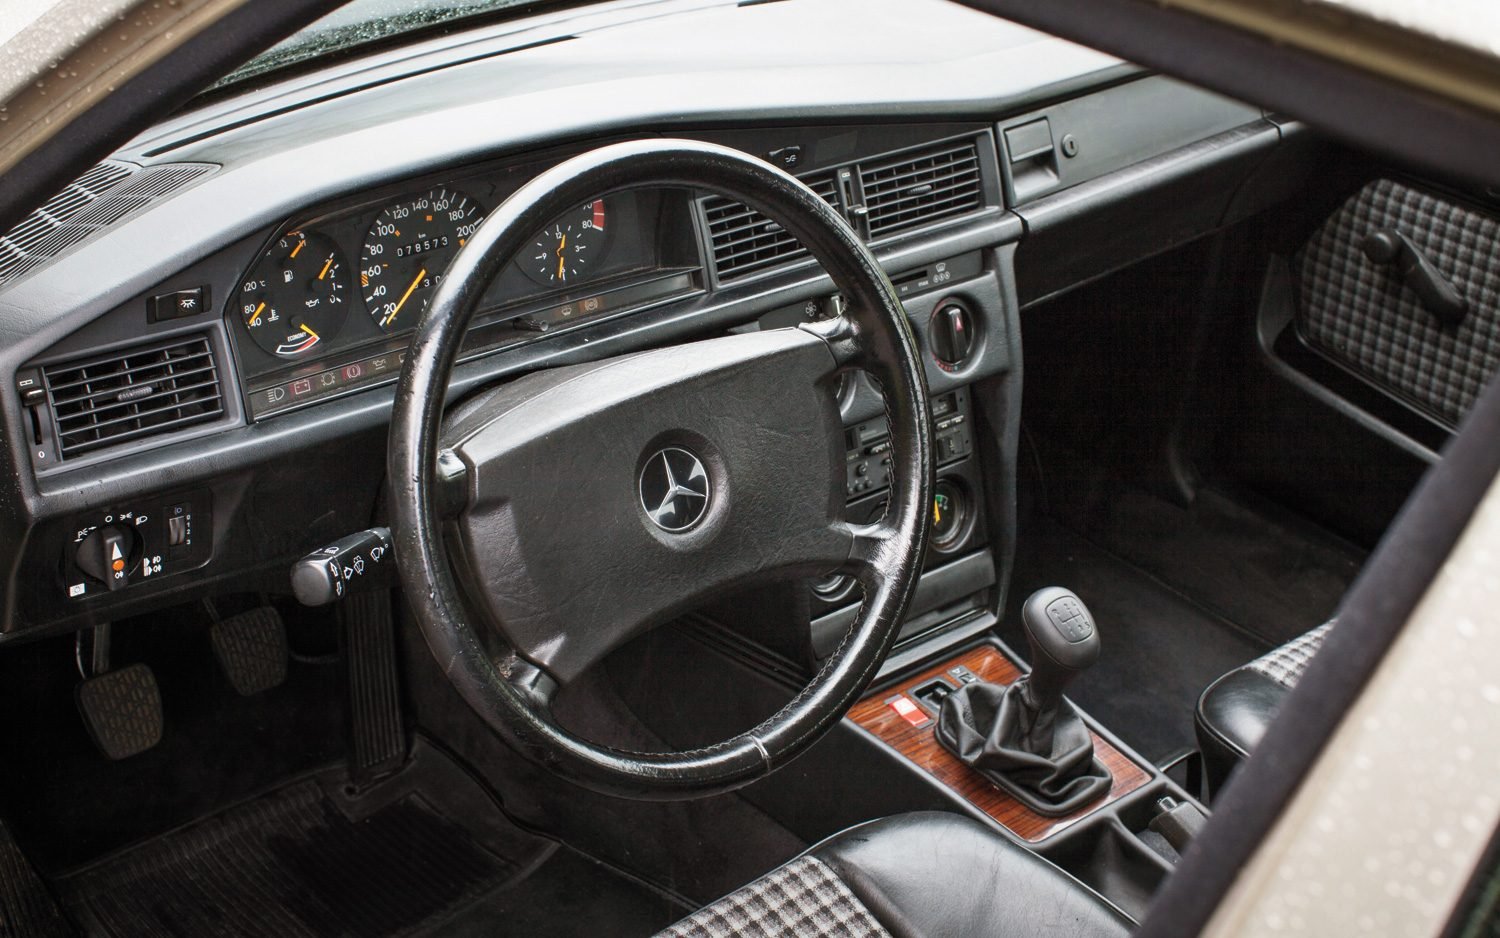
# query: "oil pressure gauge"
295,298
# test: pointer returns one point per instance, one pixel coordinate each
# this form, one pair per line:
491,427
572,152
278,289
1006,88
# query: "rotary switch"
951,334
106,553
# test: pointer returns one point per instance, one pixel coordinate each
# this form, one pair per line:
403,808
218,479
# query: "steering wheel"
550,519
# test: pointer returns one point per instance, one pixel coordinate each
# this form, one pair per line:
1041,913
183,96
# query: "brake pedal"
121,710
252,650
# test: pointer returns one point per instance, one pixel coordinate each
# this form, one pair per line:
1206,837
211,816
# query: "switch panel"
125,545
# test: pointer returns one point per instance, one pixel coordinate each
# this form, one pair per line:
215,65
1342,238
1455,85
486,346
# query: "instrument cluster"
304,313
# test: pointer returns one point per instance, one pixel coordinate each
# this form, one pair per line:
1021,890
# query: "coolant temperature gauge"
296,296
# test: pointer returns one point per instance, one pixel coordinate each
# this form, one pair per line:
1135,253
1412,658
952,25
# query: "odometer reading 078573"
406,251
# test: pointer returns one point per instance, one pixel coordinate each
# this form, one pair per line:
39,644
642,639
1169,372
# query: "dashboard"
210,371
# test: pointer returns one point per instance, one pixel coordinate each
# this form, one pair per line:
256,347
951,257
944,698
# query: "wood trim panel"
918,744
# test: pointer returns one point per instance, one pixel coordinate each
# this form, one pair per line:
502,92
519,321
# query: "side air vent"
914,189
87,205
105,400
745,241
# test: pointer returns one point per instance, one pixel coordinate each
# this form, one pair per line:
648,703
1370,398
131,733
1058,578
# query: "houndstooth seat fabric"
924,873
1285,665
800,898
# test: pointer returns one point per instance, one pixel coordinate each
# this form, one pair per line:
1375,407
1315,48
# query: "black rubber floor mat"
27,909
290,864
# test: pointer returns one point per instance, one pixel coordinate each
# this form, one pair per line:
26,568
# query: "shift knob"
1064,643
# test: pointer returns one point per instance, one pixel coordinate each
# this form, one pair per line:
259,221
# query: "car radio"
867,458
957,519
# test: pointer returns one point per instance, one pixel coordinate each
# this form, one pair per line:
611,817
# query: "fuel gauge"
296,296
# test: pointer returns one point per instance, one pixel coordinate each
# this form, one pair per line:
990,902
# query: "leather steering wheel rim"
510,693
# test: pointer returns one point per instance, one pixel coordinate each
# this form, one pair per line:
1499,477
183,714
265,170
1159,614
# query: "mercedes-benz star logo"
674,489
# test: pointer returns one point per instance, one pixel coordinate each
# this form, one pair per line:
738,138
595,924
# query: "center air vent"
913,189
745,241
86,206
106,400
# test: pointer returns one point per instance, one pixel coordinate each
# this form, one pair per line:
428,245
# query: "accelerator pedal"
121,710
252,650
378,745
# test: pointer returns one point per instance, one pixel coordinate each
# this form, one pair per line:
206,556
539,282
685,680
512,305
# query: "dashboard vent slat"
99,198
106,400
746,242
913,189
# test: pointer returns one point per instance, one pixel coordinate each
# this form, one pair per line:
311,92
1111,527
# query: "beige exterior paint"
76,54
1344,34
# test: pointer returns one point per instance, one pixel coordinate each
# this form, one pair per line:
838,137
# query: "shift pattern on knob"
1071,618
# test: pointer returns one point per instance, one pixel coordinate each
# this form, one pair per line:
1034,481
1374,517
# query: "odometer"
407,249
293,300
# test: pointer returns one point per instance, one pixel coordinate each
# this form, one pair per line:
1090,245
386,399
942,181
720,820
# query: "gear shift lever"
1026,737
1064,643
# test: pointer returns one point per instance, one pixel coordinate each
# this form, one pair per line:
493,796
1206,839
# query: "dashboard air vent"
87,205
745,241
912,189
108,399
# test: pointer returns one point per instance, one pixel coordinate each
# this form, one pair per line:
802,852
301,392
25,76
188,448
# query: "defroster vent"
916,188
108,399
745,241
87,205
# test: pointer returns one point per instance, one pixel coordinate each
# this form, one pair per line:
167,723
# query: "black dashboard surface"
318,163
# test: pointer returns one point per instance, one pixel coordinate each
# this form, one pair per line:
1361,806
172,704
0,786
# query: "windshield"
362,22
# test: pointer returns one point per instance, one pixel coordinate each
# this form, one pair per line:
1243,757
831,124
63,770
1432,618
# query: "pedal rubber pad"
122,710
251,648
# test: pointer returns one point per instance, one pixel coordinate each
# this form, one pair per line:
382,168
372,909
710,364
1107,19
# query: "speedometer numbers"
294,299
406,251
565,248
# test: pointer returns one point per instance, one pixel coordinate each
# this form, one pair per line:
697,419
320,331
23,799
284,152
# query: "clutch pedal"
252,650
121,710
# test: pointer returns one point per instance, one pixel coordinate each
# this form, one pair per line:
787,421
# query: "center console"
959,567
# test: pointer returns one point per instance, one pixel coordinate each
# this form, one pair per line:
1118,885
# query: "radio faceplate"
867,457
958,518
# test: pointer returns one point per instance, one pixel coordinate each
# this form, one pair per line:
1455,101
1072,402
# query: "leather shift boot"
1045,759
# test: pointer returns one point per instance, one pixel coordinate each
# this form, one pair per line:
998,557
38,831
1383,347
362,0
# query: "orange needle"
300,245
324,272
404,297
562,261
256,315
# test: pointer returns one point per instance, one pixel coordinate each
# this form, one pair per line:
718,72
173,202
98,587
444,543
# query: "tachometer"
408,248
567,247
293,300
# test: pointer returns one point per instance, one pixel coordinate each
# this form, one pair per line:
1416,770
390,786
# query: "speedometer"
408,248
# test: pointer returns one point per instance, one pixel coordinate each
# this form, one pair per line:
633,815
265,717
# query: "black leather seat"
921,875
1234,711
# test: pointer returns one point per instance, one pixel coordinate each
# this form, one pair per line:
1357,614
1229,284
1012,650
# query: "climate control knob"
951,334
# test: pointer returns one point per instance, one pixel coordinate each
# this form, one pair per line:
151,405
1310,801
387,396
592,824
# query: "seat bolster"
1231,717
939,875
